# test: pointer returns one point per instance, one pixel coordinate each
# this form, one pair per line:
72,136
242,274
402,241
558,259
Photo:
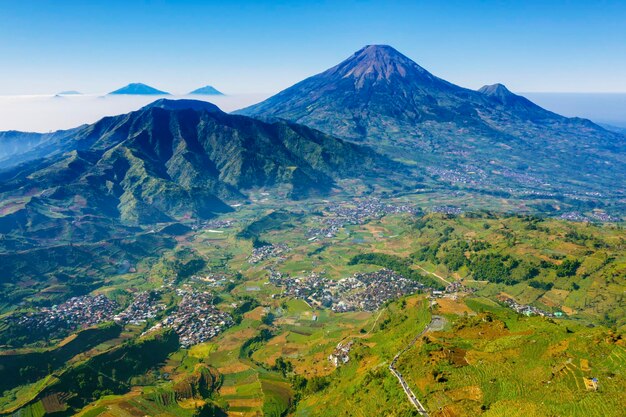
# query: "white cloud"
49,113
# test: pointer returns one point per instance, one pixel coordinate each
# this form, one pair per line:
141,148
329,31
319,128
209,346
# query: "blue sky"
264,46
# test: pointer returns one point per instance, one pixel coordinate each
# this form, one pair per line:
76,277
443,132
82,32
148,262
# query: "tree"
268,319
567,268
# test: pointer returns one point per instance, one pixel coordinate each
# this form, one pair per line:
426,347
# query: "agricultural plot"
489,362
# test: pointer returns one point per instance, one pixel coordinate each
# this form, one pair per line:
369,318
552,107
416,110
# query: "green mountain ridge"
174,159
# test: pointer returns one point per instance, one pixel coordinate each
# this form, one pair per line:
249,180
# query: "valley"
373,240
270,355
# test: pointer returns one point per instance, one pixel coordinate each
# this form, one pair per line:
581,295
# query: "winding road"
436,323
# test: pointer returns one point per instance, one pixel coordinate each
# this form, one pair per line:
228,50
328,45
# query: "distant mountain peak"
502,95
184,104
496,90
379,62
381,97
207,90
138,89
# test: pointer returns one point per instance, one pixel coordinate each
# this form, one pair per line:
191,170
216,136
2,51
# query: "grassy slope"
506,364
365,385
596,291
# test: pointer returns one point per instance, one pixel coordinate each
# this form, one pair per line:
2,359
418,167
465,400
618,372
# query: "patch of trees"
246,303
254,343
259,243
546,286
303,386
498,268
310,385
584,240
567,268
454,256
190,268
479,245
166,268
533,223
427,253
524,271
268,319
493,268
282,366
422,223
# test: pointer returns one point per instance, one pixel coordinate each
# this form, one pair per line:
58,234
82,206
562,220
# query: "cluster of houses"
196,319
145,306
268,251
359,211
77,312
360,292
214,224
341,354
214,280
329,232
451,210
525,178
457,287
574,216
601,216
299,287
378,288
472,175
598,216
527,309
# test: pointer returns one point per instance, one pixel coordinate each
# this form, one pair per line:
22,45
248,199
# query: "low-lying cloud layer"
50,113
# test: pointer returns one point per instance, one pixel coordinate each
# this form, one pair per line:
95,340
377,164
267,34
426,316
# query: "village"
196,319
450,210
354,212
472,175
599,216
359,211
214,280
145,306
267,251
360,292
75,313
527,309
217,223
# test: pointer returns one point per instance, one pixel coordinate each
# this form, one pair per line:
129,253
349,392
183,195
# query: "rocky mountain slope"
481,138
